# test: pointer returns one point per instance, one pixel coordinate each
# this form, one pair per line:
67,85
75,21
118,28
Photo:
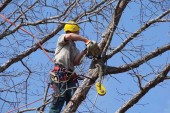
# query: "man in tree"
66,57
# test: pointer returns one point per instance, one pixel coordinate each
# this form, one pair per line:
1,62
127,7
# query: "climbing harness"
61,75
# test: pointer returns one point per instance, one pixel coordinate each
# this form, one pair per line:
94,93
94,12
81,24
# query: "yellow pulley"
101,90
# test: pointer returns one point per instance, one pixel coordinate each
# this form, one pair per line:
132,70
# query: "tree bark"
81,92
3,5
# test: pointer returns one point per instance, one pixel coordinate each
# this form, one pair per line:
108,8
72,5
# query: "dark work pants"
66,91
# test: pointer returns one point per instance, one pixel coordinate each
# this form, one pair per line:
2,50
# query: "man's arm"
79,57
76,37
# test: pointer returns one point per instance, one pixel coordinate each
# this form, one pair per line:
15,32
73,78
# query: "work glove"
93,49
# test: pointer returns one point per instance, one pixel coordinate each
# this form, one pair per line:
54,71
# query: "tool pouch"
59,75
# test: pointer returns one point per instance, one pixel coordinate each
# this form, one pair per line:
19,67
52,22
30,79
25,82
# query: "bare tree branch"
135,64
7,31
151,84
113,25
134,35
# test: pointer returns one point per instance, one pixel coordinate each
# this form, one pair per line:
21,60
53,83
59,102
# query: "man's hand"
93,49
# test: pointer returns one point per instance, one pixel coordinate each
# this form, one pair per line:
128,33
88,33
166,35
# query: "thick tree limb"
81,92
107,37
116,17
3,5
151,84
4,34
135,64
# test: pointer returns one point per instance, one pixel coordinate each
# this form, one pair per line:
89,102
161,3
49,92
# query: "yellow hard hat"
71,26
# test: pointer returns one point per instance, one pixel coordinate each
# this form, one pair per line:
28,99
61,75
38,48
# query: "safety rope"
37,41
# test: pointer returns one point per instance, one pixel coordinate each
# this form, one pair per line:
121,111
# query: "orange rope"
37,41
27,104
